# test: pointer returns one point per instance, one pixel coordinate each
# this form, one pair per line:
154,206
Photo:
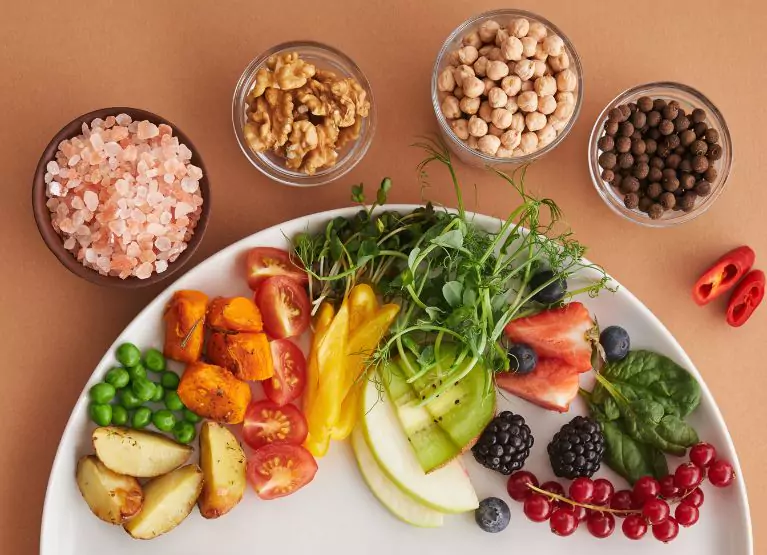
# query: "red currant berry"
703,454
580,512
601,525
634,527
655,511
517,485
603,492
553,487
721,474
621,501
537,507
563,522
693,498
686,515
582,490
688,476
668,489
645,488
666,530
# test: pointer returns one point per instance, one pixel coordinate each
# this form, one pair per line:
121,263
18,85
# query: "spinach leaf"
675,430
630,458
611,409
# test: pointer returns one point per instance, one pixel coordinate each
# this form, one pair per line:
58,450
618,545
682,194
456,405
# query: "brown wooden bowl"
54,241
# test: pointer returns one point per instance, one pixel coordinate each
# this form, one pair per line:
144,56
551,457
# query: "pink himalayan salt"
124,196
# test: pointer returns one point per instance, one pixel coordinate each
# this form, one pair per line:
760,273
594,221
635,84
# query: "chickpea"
540,53
485,111
528,46
485,50
458,93
558,63
527,101
489,84
462,72
488,30
547,105
511,105
518,122
539,69
452,58
503,152
566,97
473,87
553,45
511,84
546,86
537,30
446,81
510,139
493,130
501,36
557,124
563,111
488,145
450,107
535,121
480,66
495,54
501,118
546,136
477,127
497,98
527,86
469,105
468,55
472,39
511,49
461,128
529,142
519,27
518,152
472,142
566,80
497,70
524,69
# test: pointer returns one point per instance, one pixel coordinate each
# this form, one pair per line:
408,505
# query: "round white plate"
336,513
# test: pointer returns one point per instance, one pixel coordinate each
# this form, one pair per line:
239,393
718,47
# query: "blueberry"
493,515
522,358
616,343
552,293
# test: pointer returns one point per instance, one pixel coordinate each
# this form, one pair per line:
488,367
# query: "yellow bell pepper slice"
362,306
321,325
350,409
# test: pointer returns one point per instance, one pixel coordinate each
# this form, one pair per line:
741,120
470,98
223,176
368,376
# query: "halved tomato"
289,378
266,423
284,307
278,470
266,262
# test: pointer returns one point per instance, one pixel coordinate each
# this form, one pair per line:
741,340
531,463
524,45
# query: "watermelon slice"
552,385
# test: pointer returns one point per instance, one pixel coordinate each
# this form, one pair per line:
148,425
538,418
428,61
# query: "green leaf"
411,258
427,356
469,296
675,430
453,239
358,194
383,191
629,458
452,291
433,312
368,250
611,410
336,247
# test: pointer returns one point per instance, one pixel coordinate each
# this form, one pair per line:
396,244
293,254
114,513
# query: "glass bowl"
270,163
460,148
689,99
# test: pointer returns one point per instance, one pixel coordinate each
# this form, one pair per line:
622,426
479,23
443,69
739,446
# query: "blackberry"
505,444
577,449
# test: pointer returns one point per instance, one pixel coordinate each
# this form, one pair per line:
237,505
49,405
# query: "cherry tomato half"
289,378
284,307
267,423
278,470
266,262
748,295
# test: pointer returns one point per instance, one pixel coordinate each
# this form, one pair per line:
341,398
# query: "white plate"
336,513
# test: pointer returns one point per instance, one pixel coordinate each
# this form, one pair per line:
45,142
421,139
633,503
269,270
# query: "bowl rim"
280,174
442,121
609,197
53,240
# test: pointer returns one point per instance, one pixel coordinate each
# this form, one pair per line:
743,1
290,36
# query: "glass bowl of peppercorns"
660,154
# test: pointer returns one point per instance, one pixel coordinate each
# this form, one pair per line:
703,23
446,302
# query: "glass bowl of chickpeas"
660,154
507,88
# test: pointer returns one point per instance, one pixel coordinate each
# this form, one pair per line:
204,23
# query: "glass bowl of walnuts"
660,154
507,88
303,113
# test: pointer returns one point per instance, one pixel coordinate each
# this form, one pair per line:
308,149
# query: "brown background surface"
182,60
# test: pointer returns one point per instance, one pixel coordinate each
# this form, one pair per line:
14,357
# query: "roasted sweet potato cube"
246,355
234,314
185,325
214,393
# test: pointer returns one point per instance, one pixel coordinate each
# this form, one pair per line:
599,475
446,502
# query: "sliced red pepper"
746,297
723,275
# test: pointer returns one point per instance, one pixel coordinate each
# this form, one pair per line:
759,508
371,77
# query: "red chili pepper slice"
746,298
723,275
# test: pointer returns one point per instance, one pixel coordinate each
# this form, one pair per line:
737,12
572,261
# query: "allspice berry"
638,119
622,144
673,161
666,127
629,184
606,142
710,174
685,165
680,150
657,162
643,158
711,135
663,150
637,134
655,174
668,173
638,146
658,104
644,103
653,133
702,188
698,147
608,176
655,211
688,201
671,111
645,203
615,115
687,137
714,153
698,115
625,129
626,160
654,190
667,201
650,146
626,111
641,170
699,164
670,184
611,128
607,160
672,141
681,123
654,118
631,201
687,181
700,129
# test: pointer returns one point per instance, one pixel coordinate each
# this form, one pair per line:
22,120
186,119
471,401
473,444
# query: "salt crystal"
96,140
77,203
88,215
70,243
103,263
152,173
124,213
112,148
83,231
138,216
62,210
133,250
67,226
163,255
52,167
147,130
98,122
165,218
52,203
117,226
197,200
48,177
110,121
162,244
86,130
182,221
154,198
155,229
130,153
72,162
123,119
189,185
160,266
141,192
194,172
168,178
55,189
183,152
148,255
90,255
91,200
153,218
122,203
143,271
78,218
182,209
73,183
122,187
165,129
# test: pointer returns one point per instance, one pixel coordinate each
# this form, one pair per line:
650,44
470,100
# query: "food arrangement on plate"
399,336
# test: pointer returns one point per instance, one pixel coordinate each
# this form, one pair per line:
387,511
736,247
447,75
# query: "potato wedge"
138,453
168,500
223,469
112,497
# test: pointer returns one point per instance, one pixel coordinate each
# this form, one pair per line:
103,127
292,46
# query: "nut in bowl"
303,114
506,88
660,154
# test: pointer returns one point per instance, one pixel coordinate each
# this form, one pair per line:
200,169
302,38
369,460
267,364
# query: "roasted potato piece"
246,355
213,392
234,314
138,453
168,500
184,325
223,467
112,497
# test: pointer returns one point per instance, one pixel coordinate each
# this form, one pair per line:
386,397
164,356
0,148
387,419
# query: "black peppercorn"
670,184
626,160
625,110
702,188
699,147
711,135
710,174
666,127
622,144
641,170
629,184
625,129
688,201
608,176
650,146
699,164
681,123
672,141
714,152
658,104
700,129
698,115
654,118
611,127
638,146
639,119
668,201
685,165
655,174
655,211
607,160
671,111
644,103
687,137
631,201
673,161
654,190
657,162
687,181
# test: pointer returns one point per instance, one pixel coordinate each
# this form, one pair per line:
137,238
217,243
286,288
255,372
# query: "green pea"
154,360
129,400
143,388
141,418
164,420
184,432
137,372
159,393
190,416
119,415
102,393
128,354
101,414
169,380
173,401
118,377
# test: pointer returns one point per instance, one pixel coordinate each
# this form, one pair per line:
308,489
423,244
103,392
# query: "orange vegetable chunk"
185,325
214,393
246,355
234,314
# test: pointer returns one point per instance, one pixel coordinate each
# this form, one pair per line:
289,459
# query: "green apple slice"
447,489
399,504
